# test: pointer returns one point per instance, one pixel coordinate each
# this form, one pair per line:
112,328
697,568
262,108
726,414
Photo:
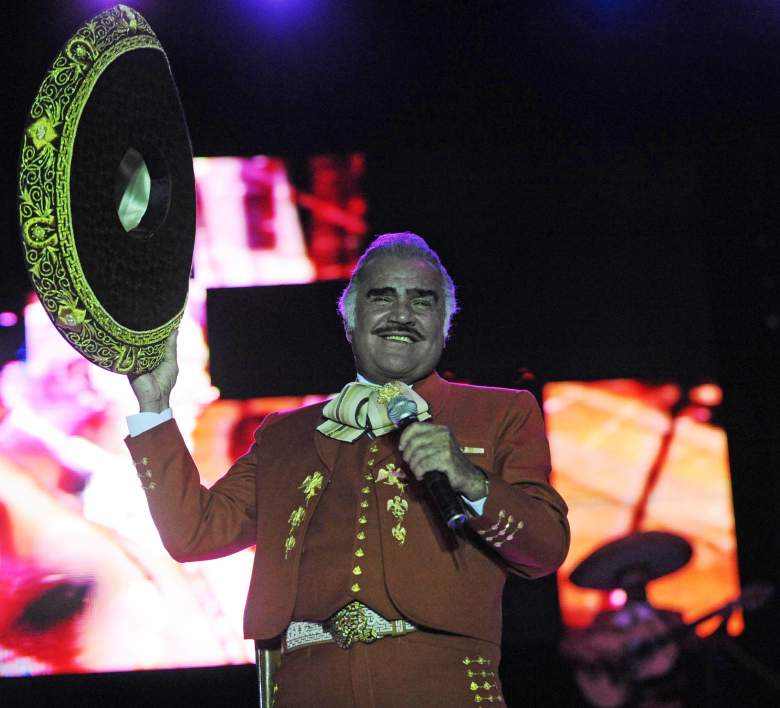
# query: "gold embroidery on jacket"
397,506
310,487
392,475
146,476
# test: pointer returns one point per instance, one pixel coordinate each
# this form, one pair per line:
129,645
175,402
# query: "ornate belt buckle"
350,625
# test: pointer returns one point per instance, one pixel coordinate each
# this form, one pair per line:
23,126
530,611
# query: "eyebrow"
414,292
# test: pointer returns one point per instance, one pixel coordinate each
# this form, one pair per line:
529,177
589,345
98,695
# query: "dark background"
600,177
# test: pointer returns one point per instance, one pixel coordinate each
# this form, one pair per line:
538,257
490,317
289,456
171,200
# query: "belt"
352,623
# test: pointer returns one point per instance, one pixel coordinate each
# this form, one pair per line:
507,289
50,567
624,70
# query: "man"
378,603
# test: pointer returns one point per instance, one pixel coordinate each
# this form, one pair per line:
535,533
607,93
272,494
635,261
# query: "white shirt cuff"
141,422
477,506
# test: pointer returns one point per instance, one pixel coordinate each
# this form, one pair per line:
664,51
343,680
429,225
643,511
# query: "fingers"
425,461
412,432
427,447
152,389
169,357
421,435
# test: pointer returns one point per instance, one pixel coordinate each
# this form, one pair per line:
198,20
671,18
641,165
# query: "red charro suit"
335,521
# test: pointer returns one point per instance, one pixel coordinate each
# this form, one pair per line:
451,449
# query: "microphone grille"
401,408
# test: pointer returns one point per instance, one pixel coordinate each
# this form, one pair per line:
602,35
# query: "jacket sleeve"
195,523
524,518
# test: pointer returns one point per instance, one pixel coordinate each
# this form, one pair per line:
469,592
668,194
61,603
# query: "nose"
402,312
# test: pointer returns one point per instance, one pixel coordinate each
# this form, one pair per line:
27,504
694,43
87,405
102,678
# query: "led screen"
84,582
633,456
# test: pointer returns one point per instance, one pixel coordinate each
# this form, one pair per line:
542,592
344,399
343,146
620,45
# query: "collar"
433,388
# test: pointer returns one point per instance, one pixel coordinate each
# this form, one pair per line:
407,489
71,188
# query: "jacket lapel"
388,446
327,449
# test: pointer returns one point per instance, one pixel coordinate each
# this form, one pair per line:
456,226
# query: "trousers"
418,670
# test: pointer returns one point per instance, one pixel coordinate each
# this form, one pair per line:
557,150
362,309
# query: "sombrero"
107,194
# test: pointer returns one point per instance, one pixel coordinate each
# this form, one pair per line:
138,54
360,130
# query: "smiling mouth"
398,338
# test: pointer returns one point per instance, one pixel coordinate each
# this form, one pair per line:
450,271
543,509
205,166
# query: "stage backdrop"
636,456
85,584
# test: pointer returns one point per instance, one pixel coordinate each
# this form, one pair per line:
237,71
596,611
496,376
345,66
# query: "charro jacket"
434,578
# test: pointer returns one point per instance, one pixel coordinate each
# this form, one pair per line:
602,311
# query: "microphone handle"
447,501
440,490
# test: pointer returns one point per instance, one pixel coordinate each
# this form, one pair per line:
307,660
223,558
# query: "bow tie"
362,408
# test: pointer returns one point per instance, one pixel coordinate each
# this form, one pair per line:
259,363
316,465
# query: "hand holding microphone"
430,450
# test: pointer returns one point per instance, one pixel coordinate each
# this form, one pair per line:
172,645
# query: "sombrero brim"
114,292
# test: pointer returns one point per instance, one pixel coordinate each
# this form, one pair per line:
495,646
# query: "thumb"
170,348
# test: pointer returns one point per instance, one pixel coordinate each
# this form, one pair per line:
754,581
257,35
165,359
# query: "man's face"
399,320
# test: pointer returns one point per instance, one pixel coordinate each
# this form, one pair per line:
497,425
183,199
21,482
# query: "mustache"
398,329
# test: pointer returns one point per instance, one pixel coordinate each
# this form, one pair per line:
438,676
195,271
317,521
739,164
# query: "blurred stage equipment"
636,655
107,194
278,355
632,561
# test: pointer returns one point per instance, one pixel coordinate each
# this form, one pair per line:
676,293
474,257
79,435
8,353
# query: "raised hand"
153,389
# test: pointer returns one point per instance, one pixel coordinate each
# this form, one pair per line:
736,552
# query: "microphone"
402,412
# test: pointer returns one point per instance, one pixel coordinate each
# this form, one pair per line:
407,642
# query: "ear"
348,334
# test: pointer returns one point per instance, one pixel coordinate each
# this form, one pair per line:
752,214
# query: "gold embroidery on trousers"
478,660
485,685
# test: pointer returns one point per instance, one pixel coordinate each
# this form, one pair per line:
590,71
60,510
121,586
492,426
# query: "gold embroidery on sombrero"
45,217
